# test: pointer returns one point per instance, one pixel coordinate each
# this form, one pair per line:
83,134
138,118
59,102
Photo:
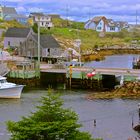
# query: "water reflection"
113,117
115,61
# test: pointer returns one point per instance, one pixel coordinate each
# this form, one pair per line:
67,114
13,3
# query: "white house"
42,19
102,24
97,23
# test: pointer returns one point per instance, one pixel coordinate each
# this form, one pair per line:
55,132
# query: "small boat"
9,90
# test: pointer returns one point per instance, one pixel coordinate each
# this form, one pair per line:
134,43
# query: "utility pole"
67,15
77,44
39,46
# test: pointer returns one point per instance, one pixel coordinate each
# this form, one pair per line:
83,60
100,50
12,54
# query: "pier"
60,76
107,71
76,77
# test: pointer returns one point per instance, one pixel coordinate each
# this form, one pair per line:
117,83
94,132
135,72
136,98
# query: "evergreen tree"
49,122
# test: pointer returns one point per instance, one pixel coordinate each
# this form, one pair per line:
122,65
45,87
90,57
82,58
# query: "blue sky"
81,10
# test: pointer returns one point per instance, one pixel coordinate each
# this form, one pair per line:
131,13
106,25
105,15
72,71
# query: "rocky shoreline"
130,90
100,55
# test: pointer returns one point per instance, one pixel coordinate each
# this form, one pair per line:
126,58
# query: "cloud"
21,9
80,9
35,9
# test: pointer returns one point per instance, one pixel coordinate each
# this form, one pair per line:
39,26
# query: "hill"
8,24
66,32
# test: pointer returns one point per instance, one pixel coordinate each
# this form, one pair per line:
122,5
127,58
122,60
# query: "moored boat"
9,90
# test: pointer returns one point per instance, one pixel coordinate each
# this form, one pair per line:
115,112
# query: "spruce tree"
50,122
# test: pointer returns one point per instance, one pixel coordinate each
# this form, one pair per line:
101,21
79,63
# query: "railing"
24,70
22,74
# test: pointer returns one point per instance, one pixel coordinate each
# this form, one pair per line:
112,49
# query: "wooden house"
50,49
14,37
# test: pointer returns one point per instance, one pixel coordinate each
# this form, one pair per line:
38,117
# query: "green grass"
90,39
8,24
67,31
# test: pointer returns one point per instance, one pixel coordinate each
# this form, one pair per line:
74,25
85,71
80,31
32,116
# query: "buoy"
89,75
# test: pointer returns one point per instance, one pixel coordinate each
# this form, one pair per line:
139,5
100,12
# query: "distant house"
49,48
14,37
42,19
7,12
98,23
19,18
102,24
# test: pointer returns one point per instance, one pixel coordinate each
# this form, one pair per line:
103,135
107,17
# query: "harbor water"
113,117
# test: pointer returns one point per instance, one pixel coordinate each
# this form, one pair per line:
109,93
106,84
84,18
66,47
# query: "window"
99,28
8,43
42,23
48,51
112,28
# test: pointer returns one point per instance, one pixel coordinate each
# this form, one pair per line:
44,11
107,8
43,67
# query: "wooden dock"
76,77
105,71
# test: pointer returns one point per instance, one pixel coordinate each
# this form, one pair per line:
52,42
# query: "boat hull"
11,92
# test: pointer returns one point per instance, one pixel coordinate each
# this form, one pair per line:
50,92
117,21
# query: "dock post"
99,86
122,80
70,75
139,111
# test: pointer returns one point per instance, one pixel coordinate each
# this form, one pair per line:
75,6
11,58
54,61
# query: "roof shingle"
47,41
17,32
9,10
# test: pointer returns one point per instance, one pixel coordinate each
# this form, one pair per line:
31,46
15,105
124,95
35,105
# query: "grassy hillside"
90,39
7,24
67,31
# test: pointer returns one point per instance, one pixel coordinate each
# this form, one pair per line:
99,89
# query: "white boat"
9,90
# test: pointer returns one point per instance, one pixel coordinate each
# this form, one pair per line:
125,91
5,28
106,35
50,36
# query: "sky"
80,10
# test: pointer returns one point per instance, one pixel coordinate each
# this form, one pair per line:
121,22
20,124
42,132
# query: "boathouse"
50,49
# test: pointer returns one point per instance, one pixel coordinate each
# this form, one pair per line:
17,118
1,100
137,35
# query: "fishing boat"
9,90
